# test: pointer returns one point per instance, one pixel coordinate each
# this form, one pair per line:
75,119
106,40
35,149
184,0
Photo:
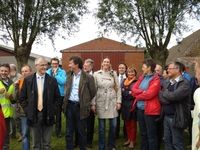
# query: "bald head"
158,69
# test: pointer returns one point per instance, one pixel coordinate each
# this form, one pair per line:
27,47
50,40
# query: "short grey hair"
90,61
37,60
13,67
177,65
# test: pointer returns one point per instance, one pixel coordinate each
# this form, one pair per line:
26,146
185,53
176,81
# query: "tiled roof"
188,47
188,59
102,44
32,55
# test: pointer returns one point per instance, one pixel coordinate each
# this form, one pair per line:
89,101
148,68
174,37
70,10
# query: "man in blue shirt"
60,75
80,90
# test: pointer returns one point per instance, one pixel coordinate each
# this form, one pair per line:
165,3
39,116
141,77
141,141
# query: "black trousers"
90,130
59,118
118,126
90,127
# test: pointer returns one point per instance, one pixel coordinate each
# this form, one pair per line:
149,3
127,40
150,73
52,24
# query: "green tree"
28,21
152,20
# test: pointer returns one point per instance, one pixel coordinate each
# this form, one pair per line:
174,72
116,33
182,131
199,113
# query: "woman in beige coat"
106,103
196,111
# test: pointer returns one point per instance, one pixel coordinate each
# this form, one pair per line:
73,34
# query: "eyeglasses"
171,68
42,65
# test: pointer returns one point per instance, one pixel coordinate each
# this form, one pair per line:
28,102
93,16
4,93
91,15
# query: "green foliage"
28,21
154,21
23,21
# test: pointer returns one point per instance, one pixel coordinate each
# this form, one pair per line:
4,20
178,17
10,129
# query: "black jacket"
127,102
29,98
181,98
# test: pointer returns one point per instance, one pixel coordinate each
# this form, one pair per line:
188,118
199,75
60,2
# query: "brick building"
7,56
97,49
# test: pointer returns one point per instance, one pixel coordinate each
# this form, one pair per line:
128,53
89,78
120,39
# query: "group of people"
24,115
159,104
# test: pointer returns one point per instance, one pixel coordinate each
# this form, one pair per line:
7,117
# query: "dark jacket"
127,102
87,91
29,98
180,97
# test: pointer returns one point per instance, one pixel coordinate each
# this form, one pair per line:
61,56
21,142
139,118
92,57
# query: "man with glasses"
88,67
174,98
40,98
60,75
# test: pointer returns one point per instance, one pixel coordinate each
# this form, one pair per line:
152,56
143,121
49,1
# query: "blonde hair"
110,68
131,68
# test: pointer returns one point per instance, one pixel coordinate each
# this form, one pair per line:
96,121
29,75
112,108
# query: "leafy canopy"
23,21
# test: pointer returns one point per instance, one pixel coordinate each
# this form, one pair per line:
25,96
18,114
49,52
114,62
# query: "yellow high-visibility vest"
5,102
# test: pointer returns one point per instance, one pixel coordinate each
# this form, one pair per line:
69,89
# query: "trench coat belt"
107,96
104,89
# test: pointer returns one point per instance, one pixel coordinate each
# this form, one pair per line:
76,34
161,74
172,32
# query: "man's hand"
17,83
93,108
55,71
9,96
2,90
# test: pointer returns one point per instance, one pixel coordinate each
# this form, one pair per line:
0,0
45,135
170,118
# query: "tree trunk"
22,55
159,55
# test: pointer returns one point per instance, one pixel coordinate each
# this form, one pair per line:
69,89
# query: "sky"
89,31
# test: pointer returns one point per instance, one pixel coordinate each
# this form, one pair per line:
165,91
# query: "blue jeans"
72,119
173,137
25,134
111,135
148,130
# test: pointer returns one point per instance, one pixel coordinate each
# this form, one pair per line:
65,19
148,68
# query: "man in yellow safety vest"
6,90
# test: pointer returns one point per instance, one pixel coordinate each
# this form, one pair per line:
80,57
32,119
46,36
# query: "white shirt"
175,80
119,77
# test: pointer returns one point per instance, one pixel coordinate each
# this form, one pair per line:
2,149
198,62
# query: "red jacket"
150,96
2,128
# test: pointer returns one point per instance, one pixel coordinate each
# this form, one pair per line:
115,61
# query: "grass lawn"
59,143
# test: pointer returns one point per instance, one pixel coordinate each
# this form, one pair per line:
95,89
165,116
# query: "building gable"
188,47
97,49
102,44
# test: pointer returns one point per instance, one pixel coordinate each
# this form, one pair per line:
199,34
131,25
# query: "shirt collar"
37,75
124,75
91,72
79,74
175,80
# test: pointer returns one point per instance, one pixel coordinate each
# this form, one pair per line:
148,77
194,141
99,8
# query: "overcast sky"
88,31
